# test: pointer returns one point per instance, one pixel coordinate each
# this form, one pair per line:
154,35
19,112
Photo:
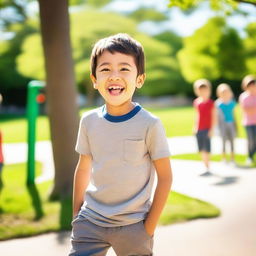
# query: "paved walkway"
230,188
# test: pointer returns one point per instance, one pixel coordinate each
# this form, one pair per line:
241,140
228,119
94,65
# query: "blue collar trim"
118,119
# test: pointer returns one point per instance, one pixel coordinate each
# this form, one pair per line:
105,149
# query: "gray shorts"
203,141
228,131
89,239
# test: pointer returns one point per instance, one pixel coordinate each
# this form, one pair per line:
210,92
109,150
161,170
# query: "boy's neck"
203,99
121,109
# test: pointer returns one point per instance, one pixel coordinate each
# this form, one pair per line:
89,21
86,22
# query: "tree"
61,93
12,82
227,5
147,14
214,51
250,48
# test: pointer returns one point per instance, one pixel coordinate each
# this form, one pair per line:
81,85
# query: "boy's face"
116,78
226,95
251,88
204,92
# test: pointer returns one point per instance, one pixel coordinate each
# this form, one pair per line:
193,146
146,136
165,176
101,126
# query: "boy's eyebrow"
107,63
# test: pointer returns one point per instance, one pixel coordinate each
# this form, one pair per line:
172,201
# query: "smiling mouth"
115,90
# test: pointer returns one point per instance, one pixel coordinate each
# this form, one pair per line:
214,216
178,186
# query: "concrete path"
230,188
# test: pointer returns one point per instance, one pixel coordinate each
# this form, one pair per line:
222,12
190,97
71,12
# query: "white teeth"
115,88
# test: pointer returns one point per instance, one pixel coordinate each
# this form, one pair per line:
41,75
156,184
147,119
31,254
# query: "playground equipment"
36,96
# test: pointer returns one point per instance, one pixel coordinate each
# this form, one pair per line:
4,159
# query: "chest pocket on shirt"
134,150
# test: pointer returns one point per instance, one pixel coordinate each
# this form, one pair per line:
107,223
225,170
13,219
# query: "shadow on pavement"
246,167
227,181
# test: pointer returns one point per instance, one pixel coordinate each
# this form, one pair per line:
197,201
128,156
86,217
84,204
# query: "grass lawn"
27,211
239,159
177,121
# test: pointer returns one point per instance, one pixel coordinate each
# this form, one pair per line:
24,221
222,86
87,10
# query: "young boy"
247,101
121,146
205,120
226,118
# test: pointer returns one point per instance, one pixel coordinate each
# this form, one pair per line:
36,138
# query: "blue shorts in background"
203,140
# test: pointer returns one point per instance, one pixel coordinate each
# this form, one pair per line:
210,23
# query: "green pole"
32,113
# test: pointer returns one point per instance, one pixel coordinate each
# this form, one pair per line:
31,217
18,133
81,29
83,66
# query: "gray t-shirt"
122,150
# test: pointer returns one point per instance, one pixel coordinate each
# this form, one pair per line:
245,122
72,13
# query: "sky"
183,25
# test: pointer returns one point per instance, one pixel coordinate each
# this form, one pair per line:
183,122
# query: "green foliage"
9,50
96,3
143,14
250,48
172,39
230,58
31,64
225,5
214,51
86,28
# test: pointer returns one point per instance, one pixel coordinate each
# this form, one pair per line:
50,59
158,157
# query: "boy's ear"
140,80
94,81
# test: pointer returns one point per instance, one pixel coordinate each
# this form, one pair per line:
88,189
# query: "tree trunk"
61,92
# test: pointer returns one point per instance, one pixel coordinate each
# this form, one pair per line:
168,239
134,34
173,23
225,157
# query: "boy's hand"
210,133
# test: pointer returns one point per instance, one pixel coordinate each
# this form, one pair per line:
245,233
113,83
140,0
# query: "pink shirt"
248,101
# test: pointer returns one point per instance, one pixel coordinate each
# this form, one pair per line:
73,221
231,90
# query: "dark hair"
121,43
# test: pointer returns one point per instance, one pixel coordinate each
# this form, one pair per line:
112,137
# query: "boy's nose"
114,76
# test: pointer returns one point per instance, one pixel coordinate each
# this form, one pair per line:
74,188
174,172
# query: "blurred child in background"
204,121
225,104
247,101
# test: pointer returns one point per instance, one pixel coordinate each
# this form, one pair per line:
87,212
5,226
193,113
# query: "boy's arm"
164,175
81,181
249,110
213,121
196,118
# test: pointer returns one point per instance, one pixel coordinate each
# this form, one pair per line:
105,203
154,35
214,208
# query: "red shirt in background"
204,109
1,150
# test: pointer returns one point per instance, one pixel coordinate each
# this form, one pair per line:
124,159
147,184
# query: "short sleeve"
242,100
195,105
157,142
82,143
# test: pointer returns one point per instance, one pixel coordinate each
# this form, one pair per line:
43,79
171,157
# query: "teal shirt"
227,110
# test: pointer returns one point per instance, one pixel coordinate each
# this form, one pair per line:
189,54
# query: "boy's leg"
250,138
206,149
231,137
132,240
223,149
88,239
254,141
206,158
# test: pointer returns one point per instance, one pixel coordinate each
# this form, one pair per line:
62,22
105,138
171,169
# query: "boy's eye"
125,69
104,70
